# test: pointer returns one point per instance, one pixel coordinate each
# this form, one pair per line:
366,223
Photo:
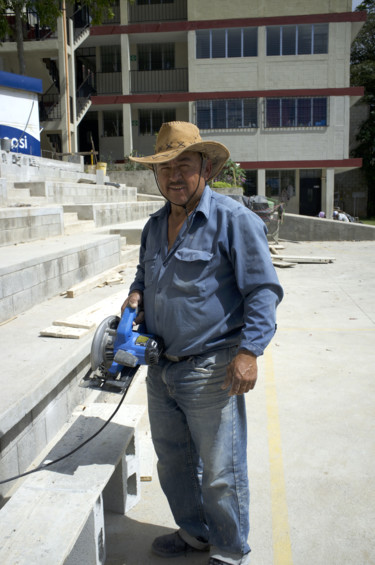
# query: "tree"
48,12
363,74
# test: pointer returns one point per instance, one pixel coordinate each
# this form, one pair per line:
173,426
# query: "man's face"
181,180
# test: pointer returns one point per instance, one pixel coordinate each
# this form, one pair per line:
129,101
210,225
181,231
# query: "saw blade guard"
117,345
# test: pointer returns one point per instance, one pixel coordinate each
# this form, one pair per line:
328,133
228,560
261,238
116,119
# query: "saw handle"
125,326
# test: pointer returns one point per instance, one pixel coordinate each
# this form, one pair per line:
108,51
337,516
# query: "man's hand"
242,373
135,300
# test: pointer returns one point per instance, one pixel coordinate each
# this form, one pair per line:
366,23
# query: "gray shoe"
172,545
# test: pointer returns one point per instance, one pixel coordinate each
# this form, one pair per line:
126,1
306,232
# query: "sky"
355,4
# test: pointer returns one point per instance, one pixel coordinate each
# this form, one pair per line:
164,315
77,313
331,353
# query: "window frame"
215,113
282,29
152,111
282,106
207,35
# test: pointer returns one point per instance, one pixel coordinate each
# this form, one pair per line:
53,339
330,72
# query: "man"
205,283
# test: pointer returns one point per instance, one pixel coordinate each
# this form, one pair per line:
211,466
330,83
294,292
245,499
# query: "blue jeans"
199,434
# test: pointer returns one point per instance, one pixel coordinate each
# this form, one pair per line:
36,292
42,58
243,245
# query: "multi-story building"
268,79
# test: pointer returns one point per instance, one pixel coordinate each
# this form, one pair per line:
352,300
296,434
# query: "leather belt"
176,359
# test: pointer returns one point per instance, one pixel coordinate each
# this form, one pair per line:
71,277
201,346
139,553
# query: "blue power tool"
118,350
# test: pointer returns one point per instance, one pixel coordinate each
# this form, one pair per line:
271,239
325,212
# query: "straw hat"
176,137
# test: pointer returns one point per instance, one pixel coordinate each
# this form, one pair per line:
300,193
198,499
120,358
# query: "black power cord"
46,465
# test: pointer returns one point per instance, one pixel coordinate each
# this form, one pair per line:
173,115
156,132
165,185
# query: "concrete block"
8,468
11,283
6,308
3,192
33,440
55,415
90,546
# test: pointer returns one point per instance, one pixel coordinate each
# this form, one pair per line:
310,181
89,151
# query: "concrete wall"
29,280
108,214
144,181
198,10
305,228
3,192
18,225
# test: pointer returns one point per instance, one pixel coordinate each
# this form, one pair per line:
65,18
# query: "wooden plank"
64,332
146,456
282,264
307,259
93,315
88,284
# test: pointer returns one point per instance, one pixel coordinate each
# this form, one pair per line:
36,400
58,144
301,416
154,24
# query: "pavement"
311,446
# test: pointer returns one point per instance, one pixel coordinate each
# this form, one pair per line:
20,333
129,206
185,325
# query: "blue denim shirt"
216,287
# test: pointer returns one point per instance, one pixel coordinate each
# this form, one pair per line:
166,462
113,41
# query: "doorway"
310,193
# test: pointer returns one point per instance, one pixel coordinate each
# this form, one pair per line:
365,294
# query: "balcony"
164,12
108,83
151,82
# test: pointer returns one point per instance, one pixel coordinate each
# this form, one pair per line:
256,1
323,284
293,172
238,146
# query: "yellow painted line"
282,549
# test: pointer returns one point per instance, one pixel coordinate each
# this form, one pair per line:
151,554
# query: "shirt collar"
205,202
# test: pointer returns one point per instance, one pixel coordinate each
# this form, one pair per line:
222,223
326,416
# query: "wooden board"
307,259
109,275
64,332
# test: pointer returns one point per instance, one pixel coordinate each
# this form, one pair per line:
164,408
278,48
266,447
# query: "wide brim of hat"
215,151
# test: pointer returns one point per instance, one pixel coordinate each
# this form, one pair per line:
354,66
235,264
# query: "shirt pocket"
150,259
192,270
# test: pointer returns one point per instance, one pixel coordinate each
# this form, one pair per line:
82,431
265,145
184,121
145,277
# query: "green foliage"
219,184
231,174
132,165
48,12
363,74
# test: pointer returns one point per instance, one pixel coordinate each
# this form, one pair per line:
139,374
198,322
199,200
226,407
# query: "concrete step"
41,375
21,224
33,272
80,226
131,231
114,213
78,193
18,193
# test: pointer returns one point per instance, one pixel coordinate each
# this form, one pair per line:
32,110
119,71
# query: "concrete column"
125,64
127,129
72,89
261,174
62,77
124,19
329,193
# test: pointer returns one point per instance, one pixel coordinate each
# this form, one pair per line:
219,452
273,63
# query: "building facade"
270,80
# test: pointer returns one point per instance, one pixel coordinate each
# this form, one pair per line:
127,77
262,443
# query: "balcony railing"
108,83
50,105
173,80
163,12
31,28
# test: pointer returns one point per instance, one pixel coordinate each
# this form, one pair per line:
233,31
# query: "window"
296,112
150,121
280,184
222,43
303,39
112,123
110,58
153,57
227,114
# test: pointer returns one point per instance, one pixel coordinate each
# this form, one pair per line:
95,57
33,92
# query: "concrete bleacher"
55,232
